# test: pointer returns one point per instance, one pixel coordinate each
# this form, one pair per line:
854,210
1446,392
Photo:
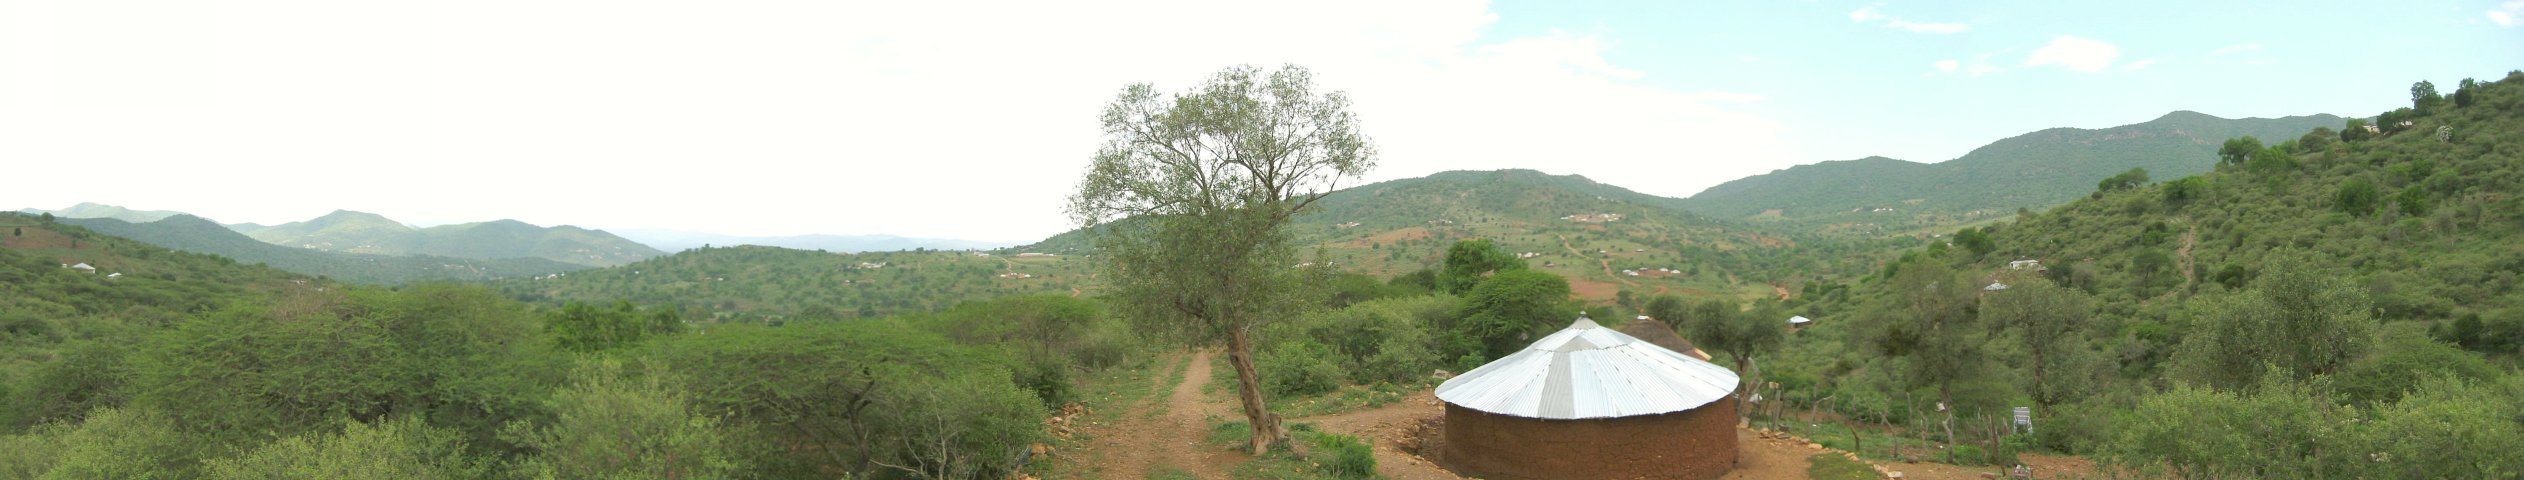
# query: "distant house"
114,275
1036,254
1799,320
83,268
1528,254
2025,265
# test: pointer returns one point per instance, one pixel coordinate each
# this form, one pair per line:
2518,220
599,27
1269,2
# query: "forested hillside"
777,283
195,234
2334,304
2035,170
359,232
1569,225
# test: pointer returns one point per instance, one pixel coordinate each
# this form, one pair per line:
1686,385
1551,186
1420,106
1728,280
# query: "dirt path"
1169,439
2189,236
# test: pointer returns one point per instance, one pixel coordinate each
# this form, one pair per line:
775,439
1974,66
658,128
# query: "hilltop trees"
2238,150
1217,172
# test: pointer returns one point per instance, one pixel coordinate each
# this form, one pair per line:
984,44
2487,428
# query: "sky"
975,120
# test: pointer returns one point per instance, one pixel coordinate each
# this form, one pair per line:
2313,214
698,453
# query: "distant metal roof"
1588,371
1800,319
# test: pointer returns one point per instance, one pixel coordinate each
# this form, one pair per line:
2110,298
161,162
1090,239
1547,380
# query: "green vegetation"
1832,466
1329,455
197,367
2307,309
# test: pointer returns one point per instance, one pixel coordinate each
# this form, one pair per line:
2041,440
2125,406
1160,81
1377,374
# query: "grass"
1832,466
1170,473
1328,455
1348,399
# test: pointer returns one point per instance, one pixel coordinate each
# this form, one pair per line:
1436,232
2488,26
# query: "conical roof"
1588,371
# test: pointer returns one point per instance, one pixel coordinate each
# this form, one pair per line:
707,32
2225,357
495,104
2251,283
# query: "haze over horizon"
956,121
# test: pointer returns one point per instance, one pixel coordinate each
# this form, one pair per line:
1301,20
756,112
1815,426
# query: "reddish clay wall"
1696,444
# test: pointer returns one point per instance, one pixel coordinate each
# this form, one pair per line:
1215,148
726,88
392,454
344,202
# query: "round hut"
1590,402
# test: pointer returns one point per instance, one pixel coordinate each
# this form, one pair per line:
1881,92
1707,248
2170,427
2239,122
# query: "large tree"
1930,320
2046,319
1739,335
1213,176
1468,261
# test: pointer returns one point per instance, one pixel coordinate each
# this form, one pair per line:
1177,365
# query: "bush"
1299,367
1966,455
400,448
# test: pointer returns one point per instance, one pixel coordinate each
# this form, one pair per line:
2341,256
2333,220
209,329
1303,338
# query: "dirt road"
1170,439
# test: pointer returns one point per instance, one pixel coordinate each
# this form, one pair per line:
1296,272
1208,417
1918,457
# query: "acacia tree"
1212,177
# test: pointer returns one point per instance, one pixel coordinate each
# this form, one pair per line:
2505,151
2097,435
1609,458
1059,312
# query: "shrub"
1299,367
1348,457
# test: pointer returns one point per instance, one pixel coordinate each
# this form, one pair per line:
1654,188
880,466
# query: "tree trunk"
1266,426
1945,402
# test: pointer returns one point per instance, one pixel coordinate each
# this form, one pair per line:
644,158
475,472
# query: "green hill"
358,232
2034,170
38,286
195,234
2356,290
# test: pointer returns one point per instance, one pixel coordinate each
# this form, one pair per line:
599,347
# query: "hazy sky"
975,120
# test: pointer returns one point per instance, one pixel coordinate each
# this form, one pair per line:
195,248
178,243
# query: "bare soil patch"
1593,290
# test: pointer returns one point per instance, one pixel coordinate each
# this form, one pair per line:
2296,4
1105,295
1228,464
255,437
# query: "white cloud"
1868,14
2239,48
779,116
2074,53
1927,27
2139,65
1948,65
1864,14
2507,14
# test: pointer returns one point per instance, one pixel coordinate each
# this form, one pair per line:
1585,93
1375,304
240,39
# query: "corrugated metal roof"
1588,371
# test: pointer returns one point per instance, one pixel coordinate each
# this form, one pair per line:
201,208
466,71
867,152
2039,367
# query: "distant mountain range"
359,232
195,234
2034,170
680,240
